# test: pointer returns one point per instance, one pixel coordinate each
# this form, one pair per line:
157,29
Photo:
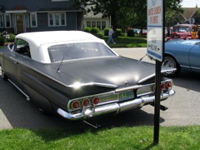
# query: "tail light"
168,85
162,86
95,100
86,102
75,105
81,103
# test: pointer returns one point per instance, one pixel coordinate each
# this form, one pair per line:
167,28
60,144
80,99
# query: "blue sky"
190,3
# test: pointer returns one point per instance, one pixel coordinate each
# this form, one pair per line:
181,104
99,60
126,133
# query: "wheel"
2,73
172,63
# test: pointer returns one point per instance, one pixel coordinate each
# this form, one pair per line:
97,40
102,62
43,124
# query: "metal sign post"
155,49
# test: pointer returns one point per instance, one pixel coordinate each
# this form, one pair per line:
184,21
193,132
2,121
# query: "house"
39,15
91,20
189,15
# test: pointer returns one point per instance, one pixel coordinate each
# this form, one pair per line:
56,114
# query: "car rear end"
116,101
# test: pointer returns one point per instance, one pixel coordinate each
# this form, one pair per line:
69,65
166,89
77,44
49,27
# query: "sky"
190,3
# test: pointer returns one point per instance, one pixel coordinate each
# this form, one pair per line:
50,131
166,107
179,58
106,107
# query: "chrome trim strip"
146,78
114,107
27,97
197,68
150,76
183,66
169,69
128,88
92,84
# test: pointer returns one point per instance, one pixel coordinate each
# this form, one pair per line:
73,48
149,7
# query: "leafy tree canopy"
125,13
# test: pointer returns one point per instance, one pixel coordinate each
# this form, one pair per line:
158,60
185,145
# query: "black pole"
157,103
158,87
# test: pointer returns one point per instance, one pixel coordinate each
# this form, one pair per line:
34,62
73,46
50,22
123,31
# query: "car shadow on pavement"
188,80
20,113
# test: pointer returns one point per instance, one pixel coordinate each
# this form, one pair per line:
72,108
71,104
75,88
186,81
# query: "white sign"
155,29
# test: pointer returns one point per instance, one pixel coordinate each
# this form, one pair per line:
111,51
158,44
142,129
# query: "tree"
108,8
173,6
140,17
125,12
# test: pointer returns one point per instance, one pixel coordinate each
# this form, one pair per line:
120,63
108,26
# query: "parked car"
184,31
182,54
136,30
143,32
77,75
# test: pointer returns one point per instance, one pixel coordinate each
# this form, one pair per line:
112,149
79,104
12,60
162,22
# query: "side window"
7,20
33,19
1,20
22,47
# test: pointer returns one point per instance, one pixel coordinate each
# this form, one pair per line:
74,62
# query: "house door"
20,23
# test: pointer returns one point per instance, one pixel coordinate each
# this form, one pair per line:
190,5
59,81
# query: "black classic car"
77,75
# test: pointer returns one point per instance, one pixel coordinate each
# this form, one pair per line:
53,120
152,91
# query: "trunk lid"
116,71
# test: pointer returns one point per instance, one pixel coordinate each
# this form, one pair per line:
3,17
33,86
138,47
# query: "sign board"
155,24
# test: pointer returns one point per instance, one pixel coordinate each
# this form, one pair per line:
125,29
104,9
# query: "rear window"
71,51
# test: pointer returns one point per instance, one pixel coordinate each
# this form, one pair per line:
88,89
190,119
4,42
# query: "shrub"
12,37
119,32
130,33
87,29
2,40
100,35
124,34
106,30
95,30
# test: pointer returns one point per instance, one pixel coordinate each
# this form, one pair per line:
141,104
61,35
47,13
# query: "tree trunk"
114,24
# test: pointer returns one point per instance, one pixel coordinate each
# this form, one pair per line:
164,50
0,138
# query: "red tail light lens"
86,102
95,100
168,85
162,86
75,105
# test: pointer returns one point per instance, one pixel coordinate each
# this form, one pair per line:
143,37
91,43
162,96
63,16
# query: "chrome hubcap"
171,64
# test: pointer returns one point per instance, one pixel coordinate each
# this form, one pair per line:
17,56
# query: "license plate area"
126,95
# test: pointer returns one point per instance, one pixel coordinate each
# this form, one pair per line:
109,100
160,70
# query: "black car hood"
108,71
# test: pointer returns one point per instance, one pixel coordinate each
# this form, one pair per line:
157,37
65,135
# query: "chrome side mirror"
11,46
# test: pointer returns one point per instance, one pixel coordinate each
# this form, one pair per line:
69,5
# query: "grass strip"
126,138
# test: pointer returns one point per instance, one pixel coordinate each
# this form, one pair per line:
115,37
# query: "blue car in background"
182,54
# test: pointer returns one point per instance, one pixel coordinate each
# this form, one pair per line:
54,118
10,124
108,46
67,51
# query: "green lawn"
128,42
116,138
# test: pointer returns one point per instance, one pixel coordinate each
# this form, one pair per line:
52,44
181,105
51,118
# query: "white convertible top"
40,41
47,37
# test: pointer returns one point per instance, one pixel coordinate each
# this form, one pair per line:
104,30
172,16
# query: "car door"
194,56
12,61
11,65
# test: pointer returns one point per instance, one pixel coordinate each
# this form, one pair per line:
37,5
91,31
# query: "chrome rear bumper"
113,107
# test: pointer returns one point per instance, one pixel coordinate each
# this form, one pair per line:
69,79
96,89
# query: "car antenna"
145,56
142,57
58,70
